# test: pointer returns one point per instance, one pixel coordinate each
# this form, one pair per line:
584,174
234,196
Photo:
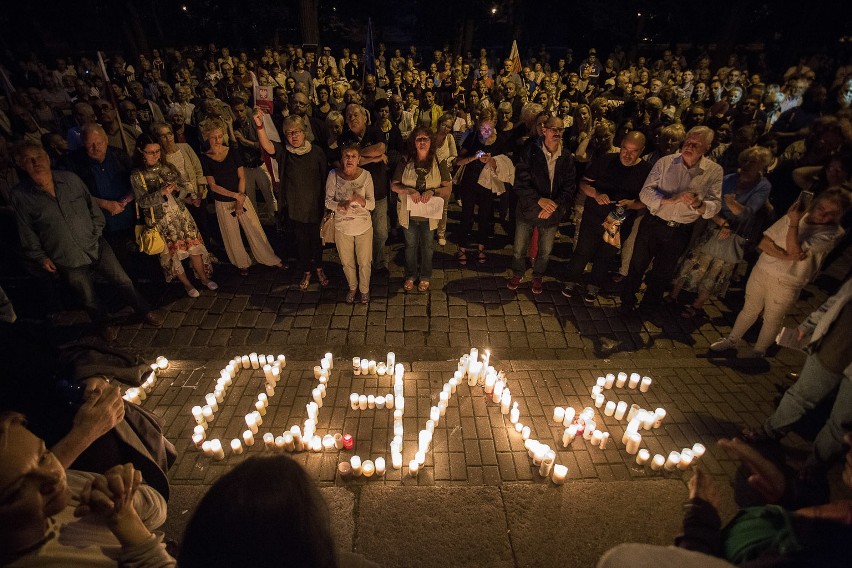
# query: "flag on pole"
370,53
515,56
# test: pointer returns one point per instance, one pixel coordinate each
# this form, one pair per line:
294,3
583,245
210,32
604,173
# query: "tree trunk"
309,21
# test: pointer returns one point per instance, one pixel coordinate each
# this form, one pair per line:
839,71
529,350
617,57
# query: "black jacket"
532,182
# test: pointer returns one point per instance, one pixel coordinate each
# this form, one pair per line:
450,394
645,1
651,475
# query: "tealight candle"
698,450
344,469
355,462
643,456
658,462
328,441
559,473
645,384
672,461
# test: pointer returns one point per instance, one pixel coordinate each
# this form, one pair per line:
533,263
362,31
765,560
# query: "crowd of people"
665,172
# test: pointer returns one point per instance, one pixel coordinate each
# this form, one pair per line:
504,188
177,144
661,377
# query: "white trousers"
356,256
230,227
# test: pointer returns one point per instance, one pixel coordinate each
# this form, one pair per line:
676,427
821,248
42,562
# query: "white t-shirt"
356,220
815,240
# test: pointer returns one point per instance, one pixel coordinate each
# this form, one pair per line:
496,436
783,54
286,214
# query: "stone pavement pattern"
479,501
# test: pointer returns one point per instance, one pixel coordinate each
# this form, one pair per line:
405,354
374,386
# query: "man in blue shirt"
60,228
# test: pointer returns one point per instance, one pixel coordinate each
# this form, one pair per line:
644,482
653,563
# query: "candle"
538,453
622,378
698,450
368,468
413,468
490,380
282,361
162,362
328,441
380,466
355,462
396,460
371,401
217,449
645,384
558,414
251,423
604,440
599,400
515,414
288,442
348,442
236,446
198,415
434,414
547,463
257,417
473,357
371,366
207,448
267,372
658,462
263,398
473,371
199,429
569,435
643,456
620,409
609,410
420,456
518,427
248,438
269,440
356,365
559,474
211,402
589,429
330,358
296,432
525,433
596,390
353,401
362,402
389,401
344,469
660,414
505,401
686,456
270,390
380,402
391,358
634,380
633,441
316,443
672,461
648,420
610,379
260,407
497,393
253,361
569,416
207,412
634,408
381,369
198,439
597,436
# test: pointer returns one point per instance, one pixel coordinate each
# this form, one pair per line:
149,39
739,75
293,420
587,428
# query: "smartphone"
480,154
234,213
805,199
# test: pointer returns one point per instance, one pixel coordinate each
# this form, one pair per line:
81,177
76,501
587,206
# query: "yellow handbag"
148,238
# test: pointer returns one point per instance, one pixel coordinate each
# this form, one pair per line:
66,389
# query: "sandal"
481,257
690,312
461,257
365,297
350,297
408,286
306,281
423,286
323,279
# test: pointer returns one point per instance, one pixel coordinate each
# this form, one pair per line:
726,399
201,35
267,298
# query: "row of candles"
137,394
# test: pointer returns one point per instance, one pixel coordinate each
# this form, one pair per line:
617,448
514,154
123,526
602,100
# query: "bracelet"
258,127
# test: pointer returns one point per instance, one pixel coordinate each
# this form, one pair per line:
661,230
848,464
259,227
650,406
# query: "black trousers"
662,244
473,196
308,245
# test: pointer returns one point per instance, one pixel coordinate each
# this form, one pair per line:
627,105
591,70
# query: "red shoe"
537,286
513,283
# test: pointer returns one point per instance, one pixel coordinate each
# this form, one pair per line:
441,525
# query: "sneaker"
537,286
590,296
570,290
513,283
212,285
365,297
442,241
755,354
723,344
350,297
193,293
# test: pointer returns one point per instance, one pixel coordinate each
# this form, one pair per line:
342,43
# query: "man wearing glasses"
545,184
680,188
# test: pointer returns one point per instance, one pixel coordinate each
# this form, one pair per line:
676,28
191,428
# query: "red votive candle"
348,442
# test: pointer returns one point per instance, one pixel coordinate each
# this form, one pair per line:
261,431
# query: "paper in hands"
432,209
789,337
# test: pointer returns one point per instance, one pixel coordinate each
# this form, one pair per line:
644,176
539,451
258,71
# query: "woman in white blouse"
349,193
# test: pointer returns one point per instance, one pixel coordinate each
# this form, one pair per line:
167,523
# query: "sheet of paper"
789,337
432,209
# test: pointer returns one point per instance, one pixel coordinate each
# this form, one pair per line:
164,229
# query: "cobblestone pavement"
551,349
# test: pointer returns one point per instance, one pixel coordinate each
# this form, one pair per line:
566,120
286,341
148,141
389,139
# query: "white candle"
365,366
672,461
604,440
248,438
207,448
489,383
645,384
505,401
538,452
609,410
251,423
282,361
633,441
473,372
371,401
698,450
162,362
525,432
356,365
474,356
596,390
362,402
353,401
515,414
289,441
413,468
207,412
198,415
569,416
597,436
599,400
569,435
355,462
610,379
660,414
211,401
589,429
270,390
198,439
380,402
634,380
559,474
268,440
368,468
217,449
620,409
236,446
260,408
686,456
649,419
328,442
547,463
381,369
519,427
634,408
253,361
380,466
435,414
643,456
389,401
263,398
658,462
391,358
330,358
316,444
267,372
396,460
622,378
199,429
558,414
257,417
371,367
430,426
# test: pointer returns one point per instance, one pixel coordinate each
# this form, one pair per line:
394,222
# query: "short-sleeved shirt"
816,241
377,169
472,145
616,180
224,172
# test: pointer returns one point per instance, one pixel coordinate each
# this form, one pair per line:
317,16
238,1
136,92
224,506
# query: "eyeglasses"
554,129
422,139
291,133
165,133
152,152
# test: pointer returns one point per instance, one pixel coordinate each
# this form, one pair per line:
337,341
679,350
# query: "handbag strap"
136,202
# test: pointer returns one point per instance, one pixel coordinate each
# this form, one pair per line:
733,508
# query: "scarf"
301,150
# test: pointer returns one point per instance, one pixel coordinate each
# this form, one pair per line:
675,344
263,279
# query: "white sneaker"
212,285
723,344
193,293
442,241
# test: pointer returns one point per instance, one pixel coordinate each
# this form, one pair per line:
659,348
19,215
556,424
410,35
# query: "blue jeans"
380,234
418,242
523,236
814,384
106,267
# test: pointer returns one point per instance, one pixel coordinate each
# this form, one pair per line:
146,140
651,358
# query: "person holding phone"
793,250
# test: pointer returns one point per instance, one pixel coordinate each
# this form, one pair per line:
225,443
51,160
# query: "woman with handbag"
707,268
154,182
349,194
418,178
